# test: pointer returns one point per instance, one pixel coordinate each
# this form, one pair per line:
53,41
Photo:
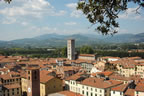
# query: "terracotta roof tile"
12,86
130,92
106,73
9,76
140,87
69,93
75,76
120,88
100,83
44,77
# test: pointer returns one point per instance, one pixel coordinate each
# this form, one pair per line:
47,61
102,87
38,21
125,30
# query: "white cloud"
76,13
8,20
24,23
73,7
70,23
131,14
42,30
47,30
34,8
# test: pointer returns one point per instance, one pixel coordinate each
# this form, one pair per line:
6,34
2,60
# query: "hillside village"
76,75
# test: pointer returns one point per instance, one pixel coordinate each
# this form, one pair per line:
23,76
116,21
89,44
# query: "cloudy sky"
30,18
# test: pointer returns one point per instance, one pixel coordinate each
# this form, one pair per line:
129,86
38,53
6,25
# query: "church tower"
33,81
71,49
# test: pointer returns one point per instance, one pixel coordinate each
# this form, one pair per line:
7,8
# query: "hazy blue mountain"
49,36
139,37
120,38
56,40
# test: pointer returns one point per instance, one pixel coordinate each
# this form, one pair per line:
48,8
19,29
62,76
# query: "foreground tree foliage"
8,1
104,13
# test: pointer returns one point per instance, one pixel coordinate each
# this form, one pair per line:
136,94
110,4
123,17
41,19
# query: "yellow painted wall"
24,85
52,86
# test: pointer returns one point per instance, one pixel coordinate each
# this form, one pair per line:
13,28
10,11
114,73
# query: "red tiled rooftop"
120,88
140,87
7,76
12,86
74,77
69,93
100,83
44,76
106,73
130,92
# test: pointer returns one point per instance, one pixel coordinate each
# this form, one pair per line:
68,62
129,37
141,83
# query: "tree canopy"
104,13
86,50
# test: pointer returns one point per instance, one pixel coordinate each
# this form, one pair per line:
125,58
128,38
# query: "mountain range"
56,40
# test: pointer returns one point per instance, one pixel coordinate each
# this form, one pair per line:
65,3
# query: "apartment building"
86,65
139,70
10,84
12,90
91,86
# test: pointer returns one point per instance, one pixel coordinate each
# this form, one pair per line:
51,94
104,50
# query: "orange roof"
122,78
106,57
100,83
44,72
73,77
120,88
140,87
106,73
127,63
32,68
12,86
4,69
134,58
7,76
69,68
7,60
129,92
94,74
1,57
69,93
44,76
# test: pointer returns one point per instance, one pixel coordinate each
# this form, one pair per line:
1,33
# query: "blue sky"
30,18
